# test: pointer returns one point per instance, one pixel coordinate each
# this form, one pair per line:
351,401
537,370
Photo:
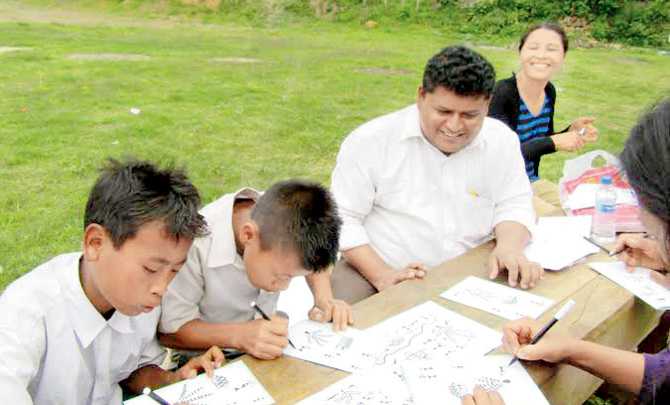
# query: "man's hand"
393,277
518,334
263,339
518,267
482,397
636,250
329,309
210,360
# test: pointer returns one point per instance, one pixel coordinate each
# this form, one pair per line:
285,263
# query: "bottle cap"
606,180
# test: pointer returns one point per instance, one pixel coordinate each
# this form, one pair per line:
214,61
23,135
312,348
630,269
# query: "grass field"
230,123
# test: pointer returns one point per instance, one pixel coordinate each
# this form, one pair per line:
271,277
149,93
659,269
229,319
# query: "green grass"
231,125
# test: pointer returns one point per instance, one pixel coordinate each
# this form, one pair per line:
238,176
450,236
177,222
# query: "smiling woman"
525,101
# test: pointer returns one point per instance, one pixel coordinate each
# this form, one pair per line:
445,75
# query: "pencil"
267,318
154,396
560,314
603,248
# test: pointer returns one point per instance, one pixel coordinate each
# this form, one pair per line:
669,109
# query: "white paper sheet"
376,386
427,331
232,384
638,283
506,302
449,382
318,343
558,242
584,196
578,225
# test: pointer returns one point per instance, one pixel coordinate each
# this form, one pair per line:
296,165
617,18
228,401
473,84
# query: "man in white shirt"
257,243
424,184
75,327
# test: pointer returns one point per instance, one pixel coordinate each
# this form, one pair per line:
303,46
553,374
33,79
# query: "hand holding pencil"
637,250
526,339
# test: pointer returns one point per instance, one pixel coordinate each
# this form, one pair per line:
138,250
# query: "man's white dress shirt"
411,202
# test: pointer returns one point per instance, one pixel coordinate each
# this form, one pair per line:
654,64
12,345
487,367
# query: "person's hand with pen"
639,250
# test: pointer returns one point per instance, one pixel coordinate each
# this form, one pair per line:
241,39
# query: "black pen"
154,396
267,318
560,314
603,248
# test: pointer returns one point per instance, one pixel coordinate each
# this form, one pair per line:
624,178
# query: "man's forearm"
368,263
619,367
201,335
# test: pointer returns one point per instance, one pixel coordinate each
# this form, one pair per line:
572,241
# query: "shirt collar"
85,318
219,216
412,129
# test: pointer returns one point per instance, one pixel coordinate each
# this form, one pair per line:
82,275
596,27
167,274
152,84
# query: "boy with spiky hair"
78,325
256,245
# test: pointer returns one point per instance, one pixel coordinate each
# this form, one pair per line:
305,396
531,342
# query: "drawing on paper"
425,332
497,299
194,395
377,386
318,343
233,384
421,339
429,380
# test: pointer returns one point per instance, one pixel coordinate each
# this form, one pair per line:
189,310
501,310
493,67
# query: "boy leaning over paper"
78,325
258,243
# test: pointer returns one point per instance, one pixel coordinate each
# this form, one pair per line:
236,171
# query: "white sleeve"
22,345
513,194
354,192
182,299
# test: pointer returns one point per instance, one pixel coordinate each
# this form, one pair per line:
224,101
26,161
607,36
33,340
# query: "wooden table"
604,313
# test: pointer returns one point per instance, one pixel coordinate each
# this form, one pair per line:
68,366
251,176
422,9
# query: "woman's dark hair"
547,26
646,161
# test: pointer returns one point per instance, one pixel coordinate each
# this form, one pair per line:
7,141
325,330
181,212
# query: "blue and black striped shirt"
533,126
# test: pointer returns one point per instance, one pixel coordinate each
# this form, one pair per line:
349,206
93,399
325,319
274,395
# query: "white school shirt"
411,202
213,285
56,348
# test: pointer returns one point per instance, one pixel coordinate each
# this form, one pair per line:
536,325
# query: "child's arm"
259,338
326,307
154,377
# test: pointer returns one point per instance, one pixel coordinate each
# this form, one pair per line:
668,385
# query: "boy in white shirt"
78,325
258,242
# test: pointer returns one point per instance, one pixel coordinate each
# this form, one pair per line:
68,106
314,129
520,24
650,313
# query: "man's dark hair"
460,70
546,26
301,216
646,161
130,194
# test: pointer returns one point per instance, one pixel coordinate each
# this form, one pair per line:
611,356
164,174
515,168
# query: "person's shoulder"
499,134
505,86
380,129
37,292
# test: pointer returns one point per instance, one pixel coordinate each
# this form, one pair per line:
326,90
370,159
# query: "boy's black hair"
301,216
460,70
646,161
132,193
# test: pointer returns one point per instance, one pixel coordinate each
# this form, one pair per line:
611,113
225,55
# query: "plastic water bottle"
603,228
